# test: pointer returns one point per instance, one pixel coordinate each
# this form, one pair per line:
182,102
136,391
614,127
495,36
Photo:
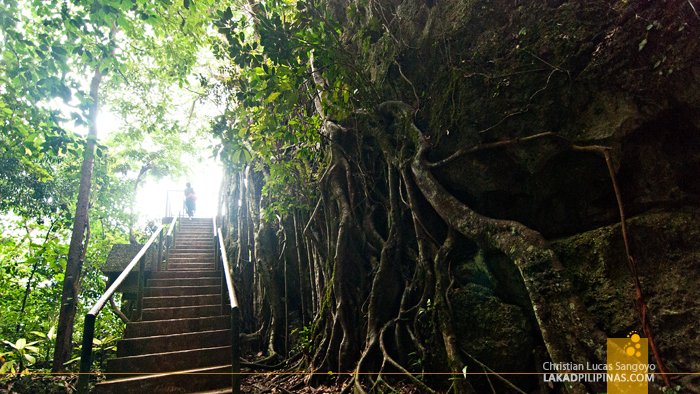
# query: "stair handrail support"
170,238
216,249
235,320
91,316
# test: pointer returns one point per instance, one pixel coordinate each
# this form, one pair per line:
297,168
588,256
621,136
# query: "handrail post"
235,317
235,352
160,251
89,324
224,293
86,354
139,294
216,253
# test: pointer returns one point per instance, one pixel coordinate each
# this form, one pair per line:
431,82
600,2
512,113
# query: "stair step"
181,312
172,263
124,367
193,245
175,301
190,261
176,326
180,291
185,274
192,266
204,256
173,342
197,259
195,239
191,380
183,282
184,343
207,250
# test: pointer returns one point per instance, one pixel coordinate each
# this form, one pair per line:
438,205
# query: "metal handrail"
169,242
89,328
235,320
172,226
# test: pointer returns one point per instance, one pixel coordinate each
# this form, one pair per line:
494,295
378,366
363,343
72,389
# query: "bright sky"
151,196
205,180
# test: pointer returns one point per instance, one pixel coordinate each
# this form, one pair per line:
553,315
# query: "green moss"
327,299
665,247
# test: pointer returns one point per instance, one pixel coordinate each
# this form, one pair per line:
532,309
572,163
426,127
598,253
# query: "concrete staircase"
183,343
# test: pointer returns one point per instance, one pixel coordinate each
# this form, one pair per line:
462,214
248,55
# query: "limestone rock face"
666,248
621,75
618,74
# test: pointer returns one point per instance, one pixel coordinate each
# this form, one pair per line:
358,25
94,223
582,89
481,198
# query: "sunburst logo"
628,366
633,347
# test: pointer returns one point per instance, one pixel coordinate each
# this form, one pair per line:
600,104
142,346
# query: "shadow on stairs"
183,343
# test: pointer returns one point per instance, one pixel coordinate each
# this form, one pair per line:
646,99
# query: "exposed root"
267,367
488,379
113,307
490,371
639,302
557,309
396,365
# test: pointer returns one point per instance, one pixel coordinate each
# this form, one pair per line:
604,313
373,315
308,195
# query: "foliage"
146,53
287,76
21,352
39,384
47,341
304,344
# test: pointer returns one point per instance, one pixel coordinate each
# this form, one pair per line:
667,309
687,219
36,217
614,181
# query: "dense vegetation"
62,63
394,174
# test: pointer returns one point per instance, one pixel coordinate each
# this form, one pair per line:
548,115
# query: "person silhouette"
190,199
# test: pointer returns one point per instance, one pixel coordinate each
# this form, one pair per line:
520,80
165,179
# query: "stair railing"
217,258
89,327
235,319
170,239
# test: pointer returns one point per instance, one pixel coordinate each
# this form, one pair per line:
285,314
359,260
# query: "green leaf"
642,44
11,344
52,333
7,367
272,97
32,349
59,50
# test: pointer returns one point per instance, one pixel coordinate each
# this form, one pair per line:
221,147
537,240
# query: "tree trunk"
74,264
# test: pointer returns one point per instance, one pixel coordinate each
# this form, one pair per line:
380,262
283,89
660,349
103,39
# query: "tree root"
113,307
267,367
490,371
557,309
396,365
639,302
